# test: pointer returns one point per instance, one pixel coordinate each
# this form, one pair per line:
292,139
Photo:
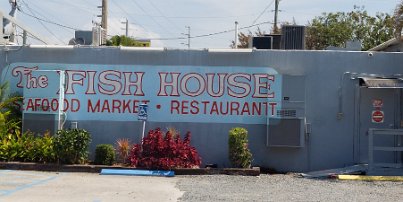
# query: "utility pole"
236,35
188,36
126,22
24,37
104,21
275,28
10,27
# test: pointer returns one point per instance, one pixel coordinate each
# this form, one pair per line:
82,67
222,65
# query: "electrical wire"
152,18
124,11
207,17
40,12
41,22
34,37
232,30
265,9
89,2
48,21
162,15
167,18
72,4
131,19
211,34
16,34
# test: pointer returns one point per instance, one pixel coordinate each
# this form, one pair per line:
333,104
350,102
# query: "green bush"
15,145
71,146
239,154
104,154
12,148
27,147
41,149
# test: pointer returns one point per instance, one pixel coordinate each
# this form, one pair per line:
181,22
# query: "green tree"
10,113
126,41
243,38
334,29
398,16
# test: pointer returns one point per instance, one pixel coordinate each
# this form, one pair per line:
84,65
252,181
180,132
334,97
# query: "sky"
165,22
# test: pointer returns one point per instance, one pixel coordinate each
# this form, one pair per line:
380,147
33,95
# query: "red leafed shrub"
164,152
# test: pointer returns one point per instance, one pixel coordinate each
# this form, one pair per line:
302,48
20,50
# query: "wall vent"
287,113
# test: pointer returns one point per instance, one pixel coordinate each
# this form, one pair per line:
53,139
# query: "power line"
80,6
127,14
211,34
152,18
41,11
36,38
48,21
207,17
40,21
160,12
260,15
232,30
88,2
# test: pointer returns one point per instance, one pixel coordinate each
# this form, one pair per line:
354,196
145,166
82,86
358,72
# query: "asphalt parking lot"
51,186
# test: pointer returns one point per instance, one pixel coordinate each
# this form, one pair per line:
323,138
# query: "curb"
255,171
371,178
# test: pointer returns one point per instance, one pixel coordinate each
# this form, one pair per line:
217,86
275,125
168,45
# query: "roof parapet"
228,50
126,48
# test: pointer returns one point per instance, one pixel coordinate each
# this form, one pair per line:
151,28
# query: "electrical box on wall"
43,101
286,132
287,128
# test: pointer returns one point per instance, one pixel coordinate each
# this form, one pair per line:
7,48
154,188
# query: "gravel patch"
284,188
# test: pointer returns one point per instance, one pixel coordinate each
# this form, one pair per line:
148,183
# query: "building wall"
331,143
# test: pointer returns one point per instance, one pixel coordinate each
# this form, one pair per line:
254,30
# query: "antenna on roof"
8,26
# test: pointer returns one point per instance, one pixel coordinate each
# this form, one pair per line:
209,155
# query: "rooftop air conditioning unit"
293,37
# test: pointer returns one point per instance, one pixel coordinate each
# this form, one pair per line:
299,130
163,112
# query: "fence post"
370,149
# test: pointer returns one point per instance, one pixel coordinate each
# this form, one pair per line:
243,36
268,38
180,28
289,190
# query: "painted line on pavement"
27,186
370,178
4,172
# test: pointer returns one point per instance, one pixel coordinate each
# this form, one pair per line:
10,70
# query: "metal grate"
287,113
293,37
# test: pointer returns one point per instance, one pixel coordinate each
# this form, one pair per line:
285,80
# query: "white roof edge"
229,50
141,48
52,46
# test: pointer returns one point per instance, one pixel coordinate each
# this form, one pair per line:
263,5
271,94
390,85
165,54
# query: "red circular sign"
377,116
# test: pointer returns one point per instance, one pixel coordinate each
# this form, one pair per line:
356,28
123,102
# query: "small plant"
27,147
71,146
40,148
239,154
164,152
174,132
104,154
123,149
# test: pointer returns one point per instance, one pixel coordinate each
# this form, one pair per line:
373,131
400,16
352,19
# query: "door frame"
398,121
